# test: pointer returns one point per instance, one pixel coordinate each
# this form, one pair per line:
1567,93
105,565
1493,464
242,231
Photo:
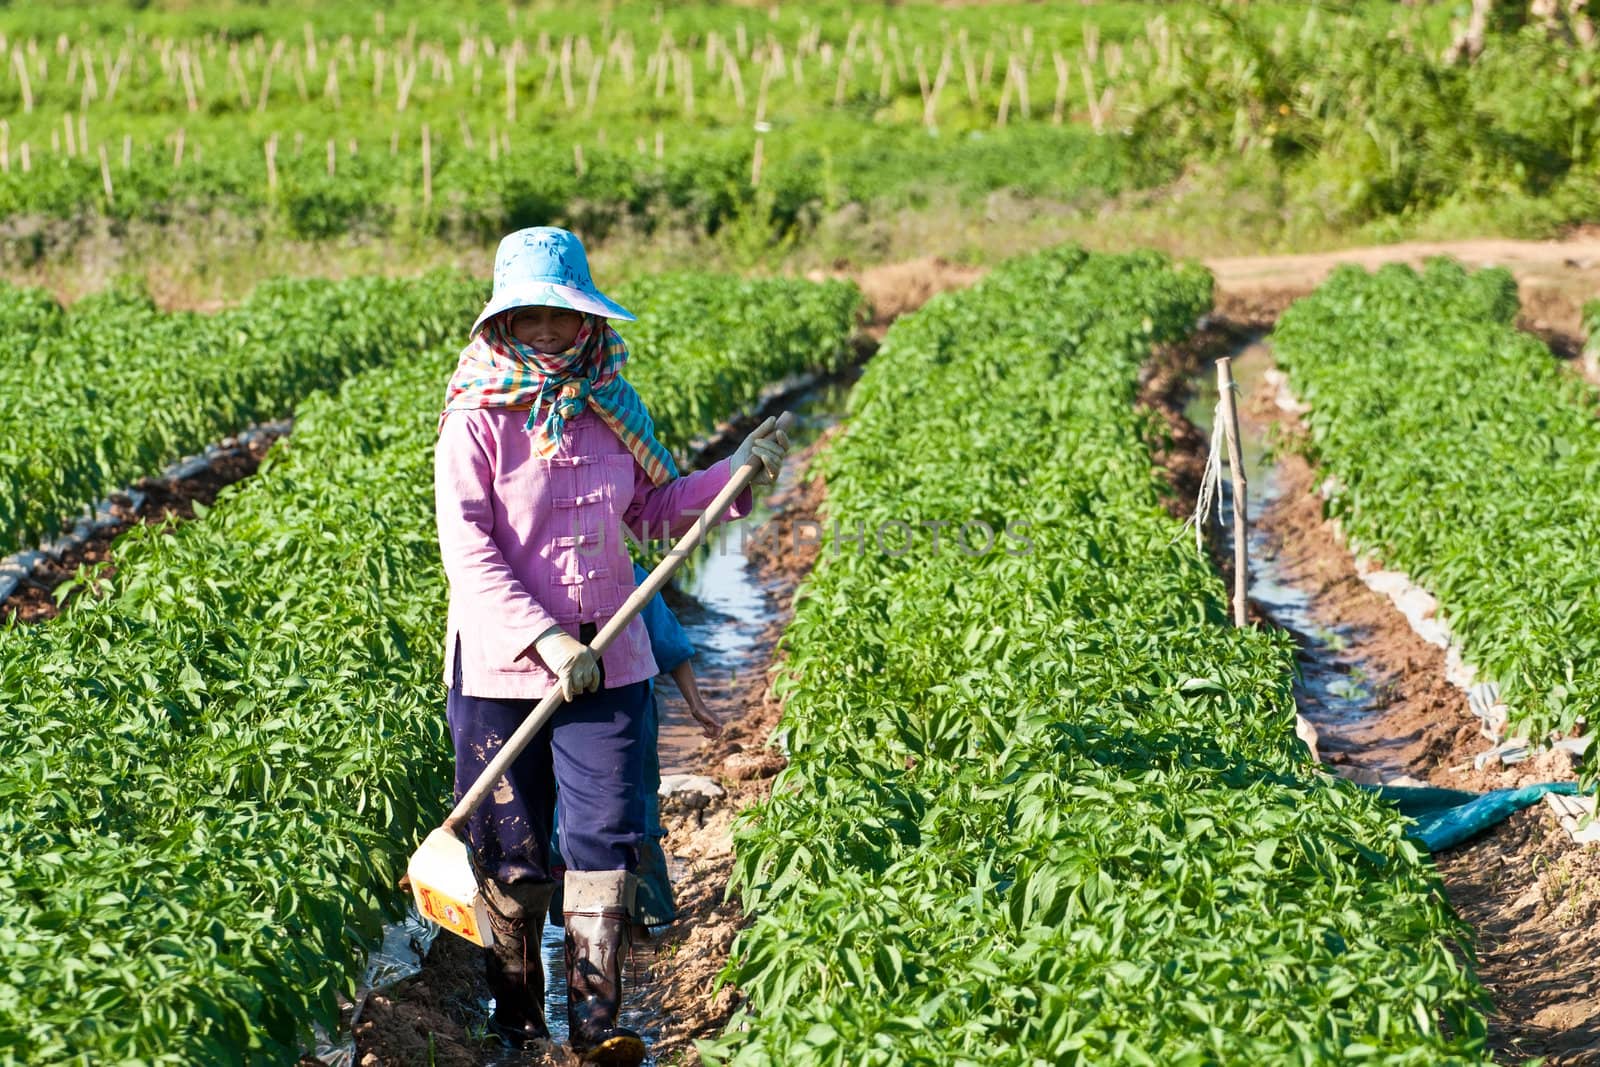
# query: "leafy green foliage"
114,389
211,777
1466,456
1366,119
1047,806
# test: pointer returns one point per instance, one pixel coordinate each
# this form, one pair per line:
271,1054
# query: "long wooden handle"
631,607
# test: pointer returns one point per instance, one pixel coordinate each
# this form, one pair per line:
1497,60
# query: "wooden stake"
5,146
1241,518
333,158
755,161
127,150
577,158
25,157
272,164
72,135
177,149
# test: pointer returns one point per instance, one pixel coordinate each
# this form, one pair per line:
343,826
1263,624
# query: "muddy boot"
513,966
597,925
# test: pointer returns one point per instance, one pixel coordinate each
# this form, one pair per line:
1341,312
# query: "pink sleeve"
675,505
481,582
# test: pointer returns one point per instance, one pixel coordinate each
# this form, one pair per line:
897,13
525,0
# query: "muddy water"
1332,692
720,600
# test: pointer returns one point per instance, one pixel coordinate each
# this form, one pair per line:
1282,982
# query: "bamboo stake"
266,81
756,160
467,140
105,175
1241,520
577,159
236,72
177,149
511,86
272,164
25,158
404,79
686,76
333,158
730,69
127,150
91,85
427,168
72,135
22,76
330,88
1063,75
83,132
188,79
114,76
594,91
5,146
1095,119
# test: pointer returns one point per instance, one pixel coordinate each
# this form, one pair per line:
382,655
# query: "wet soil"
1383,710
165,501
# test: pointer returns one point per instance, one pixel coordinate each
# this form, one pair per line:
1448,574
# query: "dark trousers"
590,751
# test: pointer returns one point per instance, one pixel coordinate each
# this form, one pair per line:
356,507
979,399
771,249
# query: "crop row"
1466,456
113,389
1043,804
212,774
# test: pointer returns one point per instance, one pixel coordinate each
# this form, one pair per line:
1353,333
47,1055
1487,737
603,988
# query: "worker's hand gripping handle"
457,819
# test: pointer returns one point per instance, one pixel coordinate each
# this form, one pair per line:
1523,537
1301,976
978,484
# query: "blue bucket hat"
545,266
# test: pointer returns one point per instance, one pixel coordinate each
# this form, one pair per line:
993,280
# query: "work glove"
766,443
571,660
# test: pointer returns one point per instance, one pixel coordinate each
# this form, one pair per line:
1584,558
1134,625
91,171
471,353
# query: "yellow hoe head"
446,890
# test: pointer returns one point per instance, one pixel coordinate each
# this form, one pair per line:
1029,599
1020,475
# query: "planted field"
1043,805
230,753
1466,456
114,389
475,123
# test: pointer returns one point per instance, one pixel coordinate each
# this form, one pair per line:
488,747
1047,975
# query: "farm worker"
672,650
545,454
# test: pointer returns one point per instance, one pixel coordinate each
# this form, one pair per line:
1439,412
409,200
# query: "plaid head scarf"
498,371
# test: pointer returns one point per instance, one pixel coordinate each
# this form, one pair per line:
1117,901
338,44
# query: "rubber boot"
597,938
513,966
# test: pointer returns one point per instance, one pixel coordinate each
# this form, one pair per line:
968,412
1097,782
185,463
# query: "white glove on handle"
766,443
571,660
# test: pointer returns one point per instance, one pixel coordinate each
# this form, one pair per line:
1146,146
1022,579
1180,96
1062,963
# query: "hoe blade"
447,890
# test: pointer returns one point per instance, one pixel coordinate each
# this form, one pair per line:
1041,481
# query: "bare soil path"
1554,278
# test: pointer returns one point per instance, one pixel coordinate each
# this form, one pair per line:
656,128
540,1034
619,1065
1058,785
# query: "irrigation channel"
729,605
1334,693
1381,710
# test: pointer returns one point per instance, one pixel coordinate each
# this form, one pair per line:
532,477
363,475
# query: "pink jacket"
531,543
